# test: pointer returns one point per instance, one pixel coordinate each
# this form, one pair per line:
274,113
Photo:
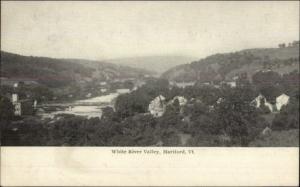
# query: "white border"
98,166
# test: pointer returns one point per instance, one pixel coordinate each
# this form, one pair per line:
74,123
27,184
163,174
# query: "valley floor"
286,138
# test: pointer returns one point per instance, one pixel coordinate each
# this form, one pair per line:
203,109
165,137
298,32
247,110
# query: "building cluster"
22,106
281,101
157,106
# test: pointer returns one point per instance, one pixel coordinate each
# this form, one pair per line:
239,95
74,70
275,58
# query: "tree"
155,87
290,83
263,108
7,134
42,93
270,92
129,104
237,118
138,130
282,45
128,84
6,109
288,118
108,114
261,78
173,108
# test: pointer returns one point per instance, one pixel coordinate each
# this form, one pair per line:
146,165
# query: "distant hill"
59,72
158,64
226,66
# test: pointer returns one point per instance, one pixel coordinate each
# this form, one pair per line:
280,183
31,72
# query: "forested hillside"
60,72
221,67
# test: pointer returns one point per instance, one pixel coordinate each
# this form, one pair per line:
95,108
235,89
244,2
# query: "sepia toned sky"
106,30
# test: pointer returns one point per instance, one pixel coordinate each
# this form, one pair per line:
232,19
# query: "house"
16,104
281,101
220,100
103,83
259,100
232,84
24,106
182,84
157,106
103,90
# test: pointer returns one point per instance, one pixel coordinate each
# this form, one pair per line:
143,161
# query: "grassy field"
287,138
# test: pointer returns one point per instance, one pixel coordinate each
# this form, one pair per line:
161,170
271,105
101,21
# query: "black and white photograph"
149,93
150,74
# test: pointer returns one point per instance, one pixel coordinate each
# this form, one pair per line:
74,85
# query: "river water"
91,107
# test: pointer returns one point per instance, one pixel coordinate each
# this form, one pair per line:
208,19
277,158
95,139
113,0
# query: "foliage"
285,138
138,101
290,83
129,104
219,67
212,117
48,71
6,109
288,117
237,119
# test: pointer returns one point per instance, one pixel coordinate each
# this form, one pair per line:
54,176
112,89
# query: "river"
91,107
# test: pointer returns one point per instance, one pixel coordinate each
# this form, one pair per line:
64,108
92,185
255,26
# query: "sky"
108,30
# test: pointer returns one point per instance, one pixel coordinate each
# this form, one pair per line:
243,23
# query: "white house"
35,104
281,101
103,90
232,84
258,102
16,104
18,109
157,106
220,100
